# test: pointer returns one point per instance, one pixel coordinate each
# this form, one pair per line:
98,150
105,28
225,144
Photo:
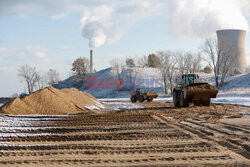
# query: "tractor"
191,90
140,95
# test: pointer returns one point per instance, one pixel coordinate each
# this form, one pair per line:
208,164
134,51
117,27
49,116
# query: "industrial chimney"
91,65
234,41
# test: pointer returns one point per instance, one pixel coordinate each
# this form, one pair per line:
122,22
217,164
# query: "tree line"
34,80
220,61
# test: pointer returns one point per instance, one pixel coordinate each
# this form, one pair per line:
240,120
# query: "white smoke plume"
108,23
96,25
201,18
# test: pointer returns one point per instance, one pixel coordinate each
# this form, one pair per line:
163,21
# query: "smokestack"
235,40
91,65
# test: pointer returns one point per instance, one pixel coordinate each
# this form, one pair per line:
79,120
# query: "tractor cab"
139,91
189,79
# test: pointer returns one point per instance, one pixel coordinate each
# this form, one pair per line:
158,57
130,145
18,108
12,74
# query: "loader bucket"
198,91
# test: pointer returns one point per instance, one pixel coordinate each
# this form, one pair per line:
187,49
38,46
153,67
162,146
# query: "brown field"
156,135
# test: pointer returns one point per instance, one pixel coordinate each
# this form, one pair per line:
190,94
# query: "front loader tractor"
140,95
191,90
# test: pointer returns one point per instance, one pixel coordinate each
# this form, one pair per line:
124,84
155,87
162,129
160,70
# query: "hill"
236,89
105,83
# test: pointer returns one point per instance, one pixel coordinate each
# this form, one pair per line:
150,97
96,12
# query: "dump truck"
191,90
140,95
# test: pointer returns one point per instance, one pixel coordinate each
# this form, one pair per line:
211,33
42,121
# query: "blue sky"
46,35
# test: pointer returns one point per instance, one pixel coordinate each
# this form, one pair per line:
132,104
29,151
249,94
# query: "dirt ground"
155,135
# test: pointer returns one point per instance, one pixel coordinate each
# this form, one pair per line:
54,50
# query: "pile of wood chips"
52,101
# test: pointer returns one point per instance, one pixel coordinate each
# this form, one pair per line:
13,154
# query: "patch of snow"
35,115
245,113
7,135
14,129
236,96
168,99
115,99
229,99
239,81
121,106
5,144
245,101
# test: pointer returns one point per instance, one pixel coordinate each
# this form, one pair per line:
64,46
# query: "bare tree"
52,77
188,62
28,74
168,63
192,62
118,66
41,81
80,68
212,56
38,79
133,72
221,60
133,76
181,62
142,61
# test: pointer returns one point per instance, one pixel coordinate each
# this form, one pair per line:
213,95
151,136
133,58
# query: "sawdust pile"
152,94
51,101
202,87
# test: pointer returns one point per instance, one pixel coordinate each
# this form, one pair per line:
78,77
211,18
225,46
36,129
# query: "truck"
191,90
141,95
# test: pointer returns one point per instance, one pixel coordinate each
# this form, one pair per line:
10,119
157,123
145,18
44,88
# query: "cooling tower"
233,42
91,65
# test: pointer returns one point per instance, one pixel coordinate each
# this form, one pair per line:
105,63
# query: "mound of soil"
202,87
153,94
51,101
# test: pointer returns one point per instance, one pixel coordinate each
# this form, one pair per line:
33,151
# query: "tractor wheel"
176,99
183,102
141,98
133,99
149,99
206,102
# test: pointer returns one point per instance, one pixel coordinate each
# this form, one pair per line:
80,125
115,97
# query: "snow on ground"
8,135
236,96
221,98
16,129
121,105
26,120
237,82
236,90
244,101
168,99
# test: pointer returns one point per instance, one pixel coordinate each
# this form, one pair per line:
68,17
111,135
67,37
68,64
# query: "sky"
51,34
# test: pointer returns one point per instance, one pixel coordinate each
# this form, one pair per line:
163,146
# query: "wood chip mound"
152,94
202,87
52,101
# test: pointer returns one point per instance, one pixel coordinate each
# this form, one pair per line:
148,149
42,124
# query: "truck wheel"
133,99
149,100
183,102
176,99
206,102
141,98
